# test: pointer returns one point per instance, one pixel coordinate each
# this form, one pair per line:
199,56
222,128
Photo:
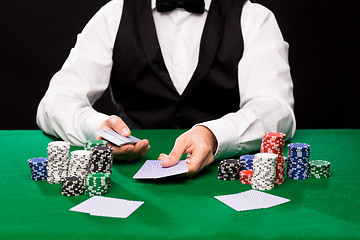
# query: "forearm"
265,88
60,116
66,109
241,132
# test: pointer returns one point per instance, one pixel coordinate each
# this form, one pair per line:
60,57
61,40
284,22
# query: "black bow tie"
194,6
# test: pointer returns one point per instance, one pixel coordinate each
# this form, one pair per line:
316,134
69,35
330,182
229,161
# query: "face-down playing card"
107,207
152,169
250,200
116,138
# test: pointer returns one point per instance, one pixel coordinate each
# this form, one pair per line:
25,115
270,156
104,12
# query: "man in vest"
216,67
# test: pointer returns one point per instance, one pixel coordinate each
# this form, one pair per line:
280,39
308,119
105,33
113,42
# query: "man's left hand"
199,142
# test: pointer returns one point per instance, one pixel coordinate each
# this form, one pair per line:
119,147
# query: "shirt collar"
207,4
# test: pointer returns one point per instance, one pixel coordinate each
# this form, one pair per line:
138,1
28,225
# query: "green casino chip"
319,169
92,143
97,184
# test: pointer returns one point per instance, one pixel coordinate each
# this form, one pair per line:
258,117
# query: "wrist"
212,141
92,123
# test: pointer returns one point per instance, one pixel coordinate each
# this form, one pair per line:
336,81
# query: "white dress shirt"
265,85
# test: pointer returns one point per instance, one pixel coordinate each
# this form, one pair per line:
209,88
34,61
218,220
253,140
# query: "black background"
36,38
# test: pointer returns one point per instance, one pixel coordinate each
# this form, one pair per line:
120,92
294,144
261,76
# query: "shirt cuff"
224,135
92,123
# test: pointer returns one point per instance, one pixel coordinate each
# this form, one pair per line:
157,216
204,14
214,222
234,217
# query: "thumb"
175,155
116,123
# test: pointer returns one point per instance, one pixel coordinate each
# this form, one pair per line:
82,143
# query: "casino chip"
38,168
97,184
273,142
245,176
264,172
79,163
101,159
319,169
58,161
87,171
228,169
92,143
298,161
246,162
72,186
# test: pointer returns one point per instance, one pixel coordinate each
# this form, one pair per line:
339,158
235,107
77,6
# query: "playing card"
153,169
250,200
116,138
107,207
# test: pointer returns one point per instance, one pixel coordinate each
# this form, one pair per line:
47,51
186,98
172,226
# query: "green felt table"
183,208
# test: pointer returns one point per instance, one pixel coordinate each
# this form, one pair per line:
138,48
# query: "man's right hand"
126,152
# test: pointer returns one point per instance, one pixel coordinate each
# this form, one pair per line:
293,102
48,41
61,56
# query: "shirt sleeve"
265,87
66,109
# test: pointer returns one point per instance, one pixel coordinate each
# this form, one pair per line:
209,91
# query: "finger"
118,125
198,160
135,154
130,152
175,155
125,149
140,147
142,144
162,156
188,156
196,163
145,151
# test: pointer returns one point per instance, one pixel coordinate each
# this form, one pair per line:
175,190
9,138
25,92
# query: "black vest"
140,83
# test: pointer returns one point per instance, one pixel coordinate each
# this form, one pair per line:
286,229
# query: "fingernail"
113,121
124,131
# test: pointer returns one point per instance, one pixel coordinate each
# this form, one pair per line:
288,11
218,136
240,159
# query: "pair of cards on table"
121,208
151,169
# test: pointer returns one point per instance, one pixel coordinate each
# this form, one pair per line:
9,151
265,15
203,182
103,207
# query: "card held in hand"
116,138
152,169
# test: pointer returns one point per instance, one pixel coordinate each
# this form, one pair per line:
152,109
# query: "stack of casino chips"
273,142
97,184
228,169
92,143
79,163
72,186
246,162
245,176
58,161
298,161
319,169
38,168
264,172
101,159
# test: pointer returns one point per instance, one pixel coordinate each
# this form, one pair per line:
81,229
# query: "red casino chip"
273,142
245,176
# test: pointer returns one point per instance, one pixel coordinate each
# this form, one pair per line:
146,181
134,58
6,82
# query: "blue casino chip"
38,168
298,161
298,146
247,162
